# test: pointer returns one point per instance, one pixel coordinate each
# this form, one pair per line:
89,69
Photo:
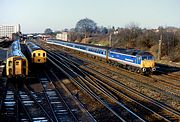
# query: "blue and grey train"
134,60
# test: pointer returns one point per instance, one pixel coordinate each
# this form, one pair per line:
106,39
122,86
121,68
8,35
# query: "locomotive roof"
32,46
12,53
16,45
130,51
15,49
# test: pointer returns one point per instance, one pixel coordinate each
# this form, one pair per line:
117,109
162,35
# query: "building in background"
8,30
63,36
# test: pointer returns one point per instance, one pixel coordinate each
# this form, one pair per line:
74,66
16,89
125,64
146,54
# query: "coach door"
18,67
24,67
138,60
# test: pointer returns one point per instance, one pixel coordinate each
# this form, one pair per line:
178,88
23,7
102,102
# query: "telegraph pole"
110,40
159,50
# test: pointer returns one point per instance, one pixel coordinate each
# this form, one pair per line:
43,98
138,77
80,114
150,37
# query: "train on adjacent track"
16,62
37,54
131,59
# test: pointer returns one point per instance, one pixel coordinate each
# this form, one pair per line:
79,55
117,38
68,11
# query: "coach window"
10,63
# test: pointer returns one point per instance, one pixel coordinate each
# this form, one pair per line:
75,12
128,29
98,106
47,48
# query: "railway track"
165,84
165,75
24,104
9,105
162,116
154,82
168,75
19,105
162,82
133,91
55,102
75,108
101,96
33,109
59,107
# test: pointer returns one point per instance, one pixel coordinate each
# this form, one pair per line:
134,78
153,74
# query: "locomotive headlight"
144,69
153,69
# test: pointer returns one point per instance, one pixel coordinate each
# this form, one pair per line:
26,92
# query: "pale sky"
37,15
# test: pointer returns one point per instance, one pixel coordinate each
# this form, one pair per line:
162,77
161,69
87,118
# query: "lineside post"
159,50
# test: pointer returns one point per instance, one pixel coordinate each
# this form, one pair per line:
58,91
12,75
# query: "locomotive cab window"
39,54
144,57
17,63
43,54
150,58
147,58
34,54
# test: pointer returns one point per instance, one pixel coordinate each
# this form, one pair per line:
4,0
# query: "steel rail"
62,100
81,107
117,102
28,92
171,110
48,101
87,74
87,91
177,113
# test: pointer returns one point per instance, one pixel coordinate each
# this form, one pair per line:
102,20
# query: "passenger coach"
16,62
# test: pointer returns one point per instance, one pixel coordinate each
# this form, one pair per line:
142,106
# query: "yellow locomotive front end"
16,67
39,56
148,63
9,67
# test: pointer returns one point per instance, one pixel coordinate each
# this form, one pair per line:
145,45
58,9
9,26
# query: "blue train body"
136,60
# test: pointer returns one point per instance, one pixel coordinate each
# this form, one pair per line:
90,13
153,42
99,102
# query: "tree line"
131,36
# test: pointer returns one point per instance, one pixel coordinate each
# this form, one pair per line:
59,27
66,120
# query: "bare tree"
86,26
48,31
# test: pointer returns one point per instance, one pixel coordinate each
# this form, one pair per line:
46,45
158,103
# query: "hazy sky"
37,15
